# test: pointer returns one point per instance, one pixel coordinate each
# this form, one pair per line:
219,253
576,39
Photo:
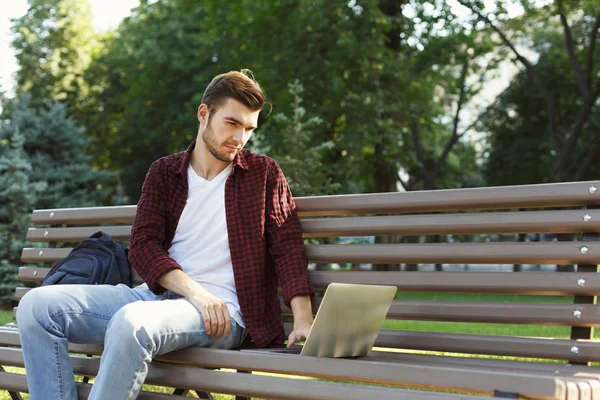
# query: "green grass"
451,327
6,317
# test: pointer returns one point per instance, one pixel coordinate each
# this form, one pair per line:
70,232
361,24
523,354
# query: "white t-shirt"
201,242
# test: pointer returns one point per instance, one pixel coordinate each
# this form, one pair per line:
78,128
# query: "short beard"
212,145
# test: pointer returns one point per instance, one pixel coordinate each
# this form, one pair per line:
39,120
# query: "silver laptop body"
348,320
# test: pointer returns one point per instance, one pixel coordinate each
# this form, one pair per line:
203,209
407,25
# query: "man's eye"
231,123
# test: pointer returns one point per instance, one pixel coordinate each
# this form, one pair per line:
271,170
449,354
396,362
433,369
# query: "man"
215,229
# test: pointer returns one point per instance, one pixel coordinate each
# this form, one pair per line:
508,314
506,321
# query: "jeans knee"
31,307
127,328
44,306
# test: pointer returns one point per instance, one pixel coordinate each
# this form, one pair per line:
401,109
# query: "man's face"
228,130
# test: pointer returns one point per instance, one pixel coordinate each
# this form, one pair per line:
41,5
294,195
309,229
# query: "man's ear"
202,113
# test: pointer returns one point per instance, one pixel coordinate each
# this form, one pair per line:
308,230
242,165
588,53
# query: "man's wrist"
303,322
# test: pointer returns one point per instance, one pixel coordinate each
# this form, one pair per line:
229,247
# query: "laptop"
347,322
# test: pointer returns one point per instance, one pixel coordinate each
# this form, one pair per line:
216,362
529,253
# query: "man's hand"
303,319
217,321
299,334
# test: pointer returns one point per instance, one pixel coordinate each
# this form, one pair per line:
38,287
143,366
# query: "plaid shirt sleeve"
147,253
284,235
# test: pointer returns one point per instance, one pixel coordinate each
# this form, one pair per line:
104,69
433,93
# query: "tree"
53,42
360,76
57,150
301,159
20,196
565,146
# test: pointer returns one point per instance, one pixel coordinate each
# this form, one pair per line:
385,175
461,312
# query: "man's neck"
204,163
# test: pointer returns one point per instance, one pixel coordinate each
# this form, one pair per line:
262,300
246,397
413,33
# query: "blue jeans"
133,324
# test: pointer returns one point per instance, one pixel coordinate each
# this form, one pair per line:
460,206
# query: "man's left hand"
299,334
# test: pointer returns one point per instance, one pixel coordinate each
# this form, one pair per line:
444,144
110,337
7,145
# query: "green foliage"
56,147
19,195
521,147
301,159
394,84
368,72
53,43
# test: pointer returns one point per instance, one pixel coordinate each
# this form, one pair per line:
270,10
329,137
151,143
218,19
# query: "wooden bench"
404,362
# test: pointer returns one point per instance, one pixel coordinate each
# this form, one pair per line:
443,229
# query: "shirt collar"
239,160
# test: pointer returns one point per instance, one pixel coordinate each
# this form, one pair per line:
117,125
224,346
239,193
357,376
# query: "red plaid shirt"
265,238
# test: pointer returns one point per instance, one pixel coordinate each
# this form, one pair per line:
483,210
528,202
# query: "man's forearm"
179,282
302,310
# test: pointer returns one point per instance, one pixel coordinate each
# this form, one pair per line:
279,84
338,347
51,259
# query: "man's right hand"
217,321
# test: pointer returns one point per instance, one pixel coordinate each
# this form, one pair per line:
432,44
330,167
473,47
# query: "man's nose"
239,135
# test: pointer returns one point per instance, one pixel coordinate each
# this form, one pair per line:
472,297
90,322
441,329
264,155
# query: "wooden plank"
564,221
84,215
459,253
10,337
73,235
381,355
489,312
507,197
37,274
446,253
18,383
545,348
535,283
380,367
469,379
483,312
272,387
546,283
44,254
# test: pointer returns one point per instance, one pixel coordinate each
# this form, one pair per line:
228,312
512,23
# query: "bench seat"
405,364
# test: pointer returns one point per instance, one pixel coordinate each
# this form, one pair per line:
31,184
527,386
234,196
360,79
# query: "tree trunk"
385,173
519,267
438,239
385,169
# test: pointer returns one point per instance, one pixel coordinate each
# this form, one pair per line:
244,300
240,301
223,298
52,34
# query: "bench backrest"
566,208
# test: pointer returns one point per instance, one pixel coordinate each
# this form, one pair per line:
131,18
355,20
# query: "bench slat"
523,196
484,312
565,221
545,283
84,215
281,388
505,197
426,253
540,283
76,234
461,343
18,383
459,253
488,312
10,337
37,274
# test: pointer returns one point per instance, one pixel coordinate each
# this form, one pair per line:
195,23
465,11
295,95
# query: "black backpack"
94,261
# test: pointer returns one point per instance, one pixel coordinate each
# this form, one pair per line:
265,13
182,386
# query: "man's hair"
240,86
